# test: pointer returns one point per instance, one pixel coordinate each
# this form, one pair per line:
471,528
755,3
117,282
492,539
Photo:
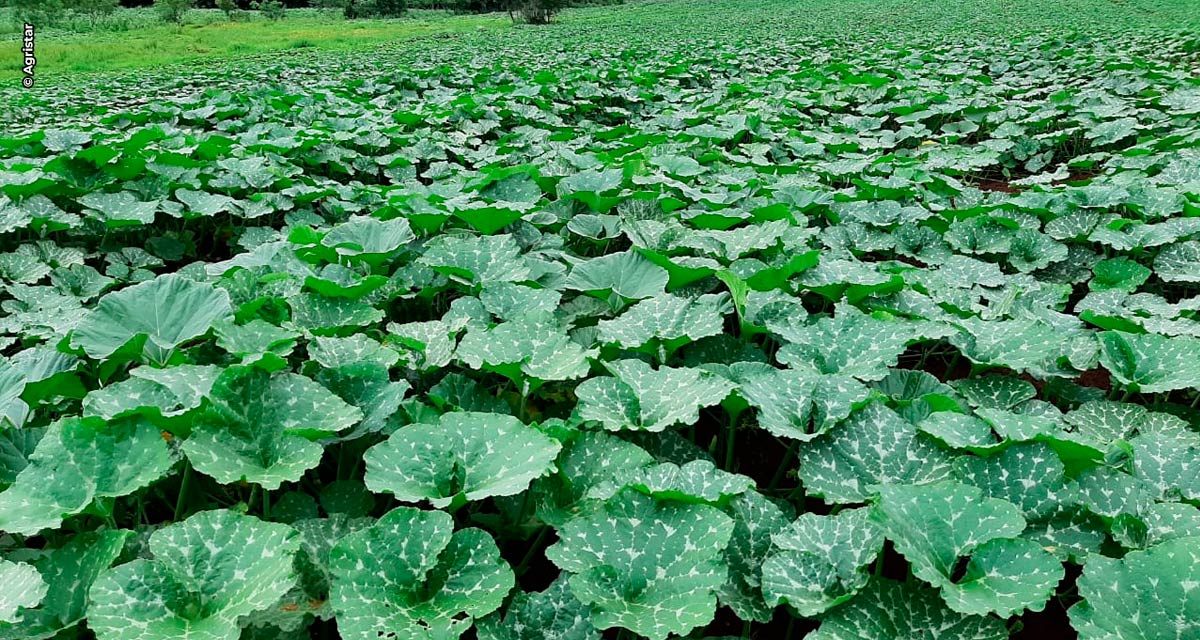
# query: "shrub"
330,5
173,10
93,10
535,11
375,8
230,7
40,13
271,9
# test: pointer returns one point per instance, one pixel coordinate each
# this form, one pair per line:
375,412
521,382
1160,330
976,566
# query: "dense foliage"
763,323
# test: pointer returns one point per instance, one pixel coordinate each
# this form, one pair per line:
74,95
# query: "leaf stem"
781,471
181,499
534,547
729,443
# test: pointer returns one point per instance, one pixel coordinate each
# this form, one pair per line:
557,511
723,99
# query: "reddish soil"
997,186
1098,378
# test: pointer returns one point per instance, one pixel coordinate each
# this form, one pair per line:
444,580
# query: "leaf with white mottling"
1147,595
69,572
261,427
206,572
465,457
853,343
1151,363
818,560
887,610
411,576
533,345
873,447
553,614
165,392
77,461
648,566
755,520
934,525
21,586
668,319
696,481
476,259
638,397
800,403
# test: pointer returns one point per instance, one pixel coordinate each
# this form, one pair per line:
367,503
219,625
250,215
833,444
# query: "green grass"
207,35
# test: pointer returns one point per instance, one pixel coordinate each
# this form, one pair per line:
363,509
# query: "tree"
173,10
535,11
330,5
39,13
230,7
94,10
375,8
271,9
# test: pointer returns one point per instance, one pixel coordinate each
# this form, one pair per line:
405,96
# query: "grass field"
209,36
754,320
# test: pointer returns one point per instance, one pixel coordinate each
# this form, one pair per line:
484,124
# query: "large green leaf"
21,586
1151,363
818,561
155,392
887,610
261,427
69,572
168,310
798,403
205,573
648,566
934,525
477,259
638,397
874,447
668,320
553,614
411,576
532,346
77,461
853,343
465,457
628,275
364,235
1147,595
